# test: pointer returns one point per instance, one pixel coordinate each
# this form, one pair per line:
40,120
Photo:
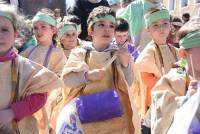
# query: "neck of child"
67,52
46,43
4,52
99,47
161,43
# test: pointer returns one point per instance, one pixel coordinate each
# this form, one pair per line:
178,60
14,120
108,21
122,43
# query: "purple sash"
45,63
99,106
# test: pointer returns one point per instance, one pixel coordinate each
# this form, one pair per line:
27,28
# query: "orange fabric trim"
149,80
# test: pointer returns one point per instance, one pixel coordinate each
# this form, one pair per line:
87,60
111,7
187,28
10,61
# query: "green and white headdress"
156,16
44,18
191,40
101,18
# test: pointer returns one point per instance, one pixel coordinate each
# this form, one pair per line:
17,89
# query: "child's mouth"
106,36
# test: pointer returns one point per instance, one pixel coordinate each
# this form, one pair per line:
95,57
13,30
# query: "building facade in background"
179,7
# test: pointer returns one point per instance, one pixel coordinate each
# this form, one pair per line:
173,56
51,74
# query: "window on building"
197,1
184,3
171,4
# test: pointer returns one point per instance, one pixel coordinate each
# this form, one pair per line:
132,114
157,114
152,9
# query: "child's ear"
55,30
182,53
146,29
16,34
90,31
79,33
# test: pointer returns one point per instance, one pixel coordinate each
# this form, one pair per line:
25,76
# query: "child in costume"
122,37
134,14
84,74
77,21
158,57
68,37
176,24
24,84
176,82
47,54
74,19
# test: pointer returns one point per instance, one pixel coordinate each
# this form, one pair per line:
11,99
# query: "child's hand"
124,56
95,75
193,87
6,117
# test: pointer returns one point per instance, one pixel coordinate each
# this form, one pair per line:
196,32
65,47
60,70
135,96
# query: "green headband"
191,40
79,28
155,16
45,18
6,15
101,18
65,29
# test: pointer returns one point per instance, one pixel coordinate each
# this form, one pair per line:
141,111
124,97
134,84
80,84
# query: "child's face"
43,31
69,39
195,52
121,37
159,31
103,32
7,35
174,28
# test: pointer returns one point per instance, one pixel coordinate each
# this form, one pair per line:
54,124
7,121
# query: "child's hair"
189,27
186,15
99,12
12,14
121,25
73,19
47,11
176,19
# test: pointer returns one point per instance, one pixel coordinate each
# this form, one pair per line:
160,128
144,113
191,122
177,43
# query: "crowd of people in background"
106,67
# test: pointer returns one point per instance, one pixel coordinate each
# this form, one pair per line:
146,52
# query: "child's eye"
166,24
4,30
101,25
155,25
112,26
43,26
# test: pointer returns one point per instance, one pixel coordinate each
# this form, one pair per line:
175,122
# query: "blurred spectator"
124,3
114,4
185,17
82,8
134,14
57,15
122,37
176,24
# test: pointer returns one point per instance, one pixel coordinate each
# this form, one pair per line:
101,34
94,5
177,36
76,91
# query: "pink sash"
11,54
